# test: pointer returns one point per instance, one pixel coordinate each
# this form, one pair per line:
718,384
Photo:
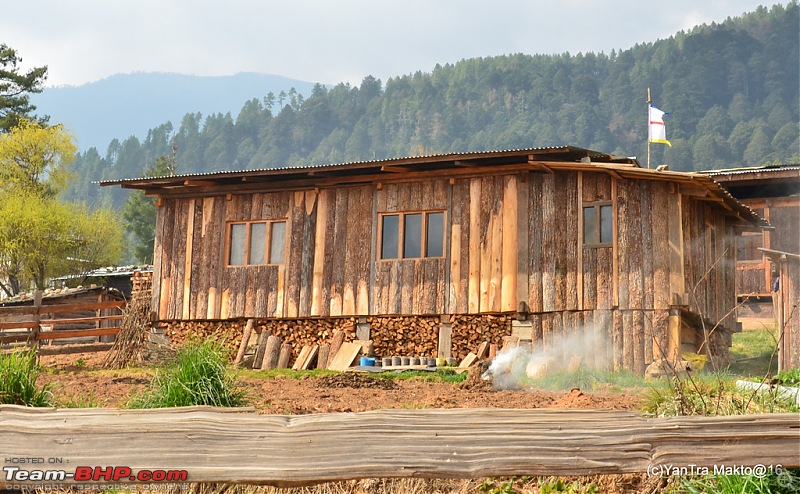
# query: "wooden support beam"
225,445
200,183
396,169
538,165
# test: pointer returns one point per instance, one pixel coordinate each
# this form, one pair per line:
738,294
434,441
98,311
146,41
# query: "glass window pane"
390,228
258,239
237,244
435,233
412,236
589,226
606,225
277,244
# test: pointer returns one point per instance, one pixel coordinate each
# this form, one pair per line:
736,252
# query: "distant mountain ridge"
130,104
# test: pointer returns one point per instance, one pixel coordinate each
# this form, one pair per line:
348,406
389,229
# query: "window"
412,235
256,242
598,224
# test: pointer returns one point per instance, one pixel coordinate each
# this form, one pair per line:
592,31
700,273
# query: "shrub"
18,374
198,377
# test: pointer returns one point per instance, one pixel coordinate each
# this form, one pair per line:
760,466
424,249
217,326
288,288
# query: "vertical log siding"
510,240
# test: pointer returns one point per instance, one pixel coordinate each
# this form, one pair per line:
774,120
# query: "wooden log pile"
391,336
469,331
227,333
301,332
141,282
405,336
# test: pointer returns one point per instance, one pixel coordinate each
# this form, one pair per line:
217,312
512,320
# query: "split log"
248,330
261,348
272,353
285,356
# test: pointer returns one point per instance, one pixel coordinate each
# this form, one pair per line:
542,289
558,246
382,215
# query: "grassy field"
754,352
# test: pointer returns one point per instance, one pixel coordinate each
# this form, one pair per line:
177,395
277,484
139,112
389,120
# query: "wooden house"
774,193
557,239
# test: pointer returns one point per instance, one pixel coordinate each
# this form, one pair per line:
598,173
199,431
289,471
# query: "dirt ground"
80,378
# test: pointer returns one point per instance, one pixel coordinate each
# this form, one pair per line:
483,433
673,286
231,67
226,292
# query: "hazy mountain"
130,104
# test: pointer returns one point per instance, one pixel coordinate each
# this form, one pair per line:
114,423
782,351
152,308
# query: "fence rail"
32,330
226,445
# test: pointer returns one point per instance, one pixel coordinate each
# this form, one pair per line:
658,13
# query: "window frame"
597,206
248,233
401,234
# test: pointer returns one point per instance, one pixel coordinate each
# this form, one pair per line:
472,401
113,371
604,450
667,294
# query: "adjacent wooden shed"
773,192
567,240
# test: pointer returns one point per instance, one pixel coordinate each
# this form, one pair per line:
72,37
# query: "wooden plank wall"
508,239
709,244
192,281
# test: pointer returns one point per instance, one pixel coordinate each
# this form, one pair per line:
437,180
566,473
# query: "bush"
198,377
18,374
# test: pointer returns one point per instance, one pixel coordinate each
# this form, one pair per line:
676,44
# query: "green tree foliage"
15,87
732,90
36,158
139,214
40,236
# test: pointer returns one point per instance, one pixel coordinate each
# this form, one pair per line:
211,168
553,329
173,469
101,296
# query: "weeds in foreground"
789,377
19,372
77,401
710,395
198,377
778,482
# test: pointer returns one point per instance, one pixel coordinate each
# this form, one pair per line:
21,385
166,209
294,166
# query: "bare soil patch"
81,378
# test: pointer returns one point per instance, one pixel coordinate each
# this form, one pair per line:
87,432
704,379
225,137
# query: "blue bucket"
367,361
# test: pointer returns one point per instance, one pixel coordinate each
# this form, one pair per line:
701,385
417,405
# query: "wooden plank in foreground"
219,445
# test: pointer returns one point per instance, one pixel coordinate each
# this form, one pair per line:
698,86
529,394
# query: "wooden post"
37,304
445,340
674,335
362,329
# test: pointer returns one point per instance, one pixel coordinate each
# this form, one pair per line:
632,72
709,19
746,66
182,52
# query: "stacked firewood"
301,332
405,335
469,331
227,333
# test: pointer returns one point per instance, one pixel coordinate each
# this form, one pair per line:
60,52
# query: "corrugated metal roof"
752,169
349,164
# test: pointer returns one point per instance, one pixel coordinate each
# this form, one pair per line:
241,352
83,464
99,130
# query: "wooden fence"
227,445
27,324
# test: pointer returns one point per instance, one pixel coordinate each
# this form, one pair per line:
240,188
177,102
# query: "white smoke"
517,367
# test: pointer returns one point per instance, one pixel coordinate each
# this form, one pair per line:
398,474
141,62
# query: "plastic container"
367,361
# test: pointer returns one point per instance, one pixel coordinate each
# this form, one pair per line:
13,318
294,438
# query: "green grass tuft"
587,380
198,377
784,481
19,371
437,376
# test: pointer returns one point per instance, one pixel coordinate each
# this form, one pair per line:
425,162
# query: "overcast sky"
327,41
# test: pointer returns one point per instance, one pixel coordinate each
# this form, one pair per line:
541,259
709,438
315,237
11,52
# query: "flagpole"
649,102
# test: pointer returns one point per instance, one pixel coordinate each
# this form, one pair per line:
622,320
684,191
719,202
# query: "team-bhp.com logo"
94,474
